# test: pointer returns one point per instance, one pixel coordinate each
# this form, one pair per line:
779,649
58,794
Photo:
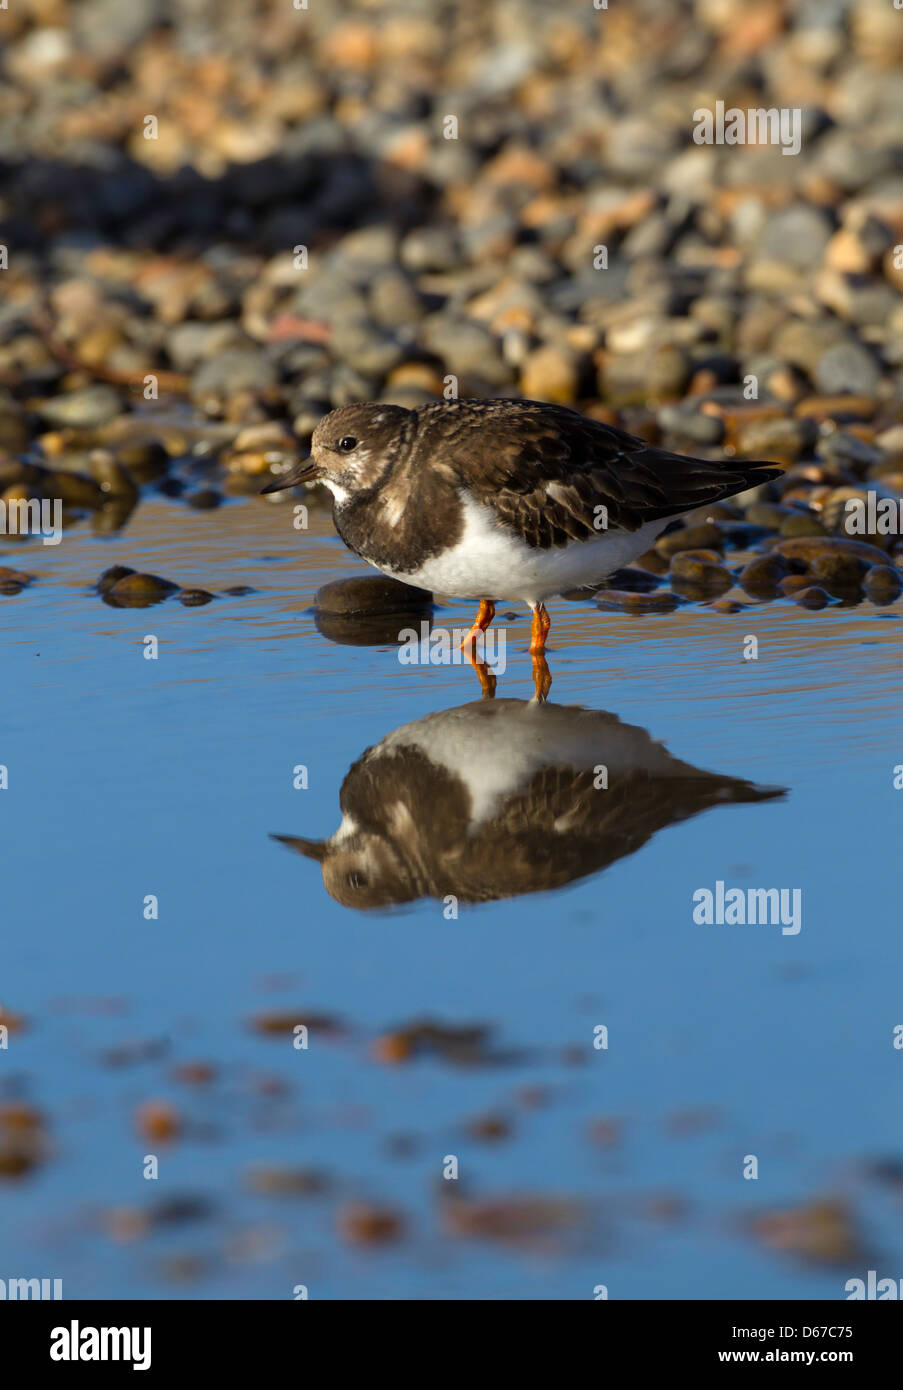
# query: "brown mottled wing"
547,472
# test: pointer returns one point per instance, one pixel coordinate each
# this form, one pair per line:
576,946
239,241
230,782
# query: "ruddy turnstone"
499,798
503,499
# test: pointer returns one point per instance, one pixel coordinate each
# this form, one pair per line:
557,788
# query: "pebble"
146,460
138,590
802,524
706,536
86,409
363,1223
771,515
205,499
158,1121
112,478
551,373
370,594
633,579
231,372
467,350
112,576
762,576
821,1231
842,571
849,450
883,584
74,489
890,441
839,409
808,548
797,236
795,584
687,425
629,601
275,1181
779,439
370,350
849,367
702,569
812,597
512,1221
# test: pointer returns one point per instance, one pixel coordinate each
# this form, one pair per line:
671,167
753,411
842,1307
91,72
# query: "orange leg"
484,617
542,677
539,630
486,678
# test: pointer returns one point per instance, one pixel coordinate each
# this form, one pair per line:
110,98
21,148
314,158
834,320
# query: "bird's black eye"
347,444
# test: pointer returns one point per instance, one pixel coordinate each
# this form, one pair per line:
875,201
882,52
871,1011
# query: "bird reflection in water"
499,798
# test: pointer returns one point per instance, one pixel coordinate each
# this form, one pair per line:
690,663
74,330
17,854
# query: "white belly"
488,562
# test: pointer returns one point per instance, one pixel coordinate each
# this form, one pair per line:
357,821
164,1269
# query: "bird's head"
351,449
363,870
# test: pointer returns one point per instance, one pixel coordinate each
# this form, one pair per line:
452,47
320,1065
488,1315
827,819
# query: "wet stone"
9,575
801,524
113,479
771,515
793,584
702,569
808,548
14,433
194,598
762,577
781,439
842,571
632,580
370,594
370,629
652,562
883,584
112,576
74,490
139,590
615,600
206,499
813,598
145,461
704,537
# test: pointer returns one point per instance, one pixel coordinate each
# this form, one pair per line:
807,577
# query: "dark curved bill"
304,471
311,849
